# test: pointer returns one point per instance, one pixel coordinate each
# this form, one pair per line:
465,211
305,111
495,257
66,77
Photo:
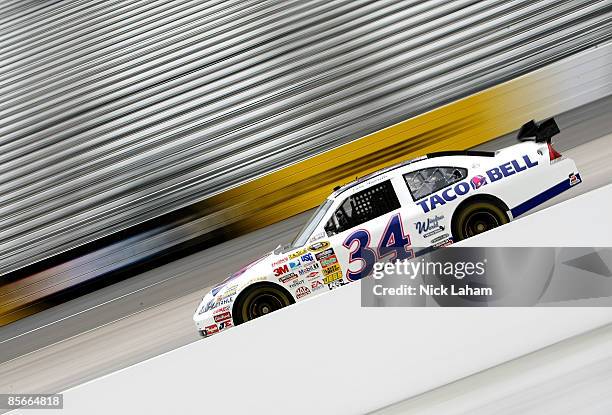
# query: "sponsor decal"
447,242
280,261
462,188
281,270
329,261
332,277
211,329
217,288
296,283
331,270
574,179
309,268
223,301
228,292
325,254
316,285
335,284
226,325
431,226
209,306
313,275
428,234
302,292
287,278
223,316
225,296
295,264
298,254
307,258
222,309
478,181
440,238
318,246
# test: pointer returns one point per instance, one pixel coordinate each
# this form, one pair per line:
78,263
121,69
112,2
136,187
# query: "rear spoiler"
542,132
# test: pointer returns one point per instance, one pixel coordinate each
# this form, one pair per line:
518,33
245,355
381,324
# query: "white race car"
428,202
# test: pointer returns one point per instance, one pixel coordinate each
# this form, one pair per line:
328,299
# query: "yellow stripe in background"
459,125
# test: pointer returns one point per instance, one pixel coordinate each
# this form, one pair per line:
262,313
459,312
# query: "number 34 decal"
394,242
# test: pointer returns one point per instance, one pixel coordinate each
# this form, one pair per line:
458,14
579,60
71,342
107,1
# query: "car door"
366,227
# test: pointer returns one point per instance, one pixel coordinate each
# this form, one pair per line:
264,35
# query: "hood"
238,273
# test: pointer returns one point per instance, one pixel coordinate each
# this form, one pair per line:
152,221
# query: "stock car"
394,214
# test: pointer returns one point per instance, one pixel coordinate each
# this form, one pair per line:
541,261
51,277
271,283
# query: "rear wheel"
476,218
259,300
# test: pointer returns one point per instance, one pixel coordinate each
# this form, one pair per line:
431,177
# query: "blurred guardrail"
246,113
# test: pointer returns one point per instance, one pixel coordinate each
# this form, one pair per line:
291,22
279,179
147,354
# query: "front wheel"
259,300
476,218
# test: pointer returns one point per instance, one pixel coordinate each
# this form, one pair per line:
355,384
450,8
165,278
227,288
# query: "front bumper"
205,323
213,320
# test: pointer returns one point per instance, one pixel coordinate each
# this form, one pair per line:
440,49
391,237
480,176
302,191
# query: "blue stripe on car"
543,197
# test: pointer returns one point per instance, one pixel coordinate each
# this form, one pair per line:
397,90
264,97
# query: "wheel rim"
263,304
479,222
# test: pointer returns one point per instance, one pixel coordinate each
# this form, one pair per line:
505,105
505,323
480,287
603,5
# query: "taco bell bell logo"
478,181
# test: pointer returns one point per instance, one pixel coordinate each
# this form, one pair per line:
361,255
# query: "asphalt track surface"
150,314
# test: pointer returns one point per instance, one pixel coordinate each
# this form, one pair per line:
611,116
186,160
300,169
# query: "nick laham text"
432,290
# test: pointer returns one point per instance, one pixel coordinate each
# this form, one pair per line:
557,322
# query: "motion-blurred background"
148,148
133,133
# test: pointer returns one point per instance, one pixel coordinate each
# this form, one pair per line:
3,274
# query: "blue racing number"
393,242
361,252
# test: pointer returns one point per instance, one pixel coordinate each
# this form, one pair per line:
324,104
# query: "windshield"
310,226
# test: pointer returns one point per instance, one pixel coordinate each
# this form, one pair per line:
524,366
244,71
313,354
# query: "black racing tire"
477,217
258,300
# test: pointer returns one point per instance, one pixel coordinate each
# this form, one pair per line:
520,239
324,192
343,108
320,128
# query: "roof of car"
359,180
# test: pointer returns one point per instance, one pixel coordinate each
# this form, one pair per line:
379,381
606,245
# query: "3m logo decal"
281,270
